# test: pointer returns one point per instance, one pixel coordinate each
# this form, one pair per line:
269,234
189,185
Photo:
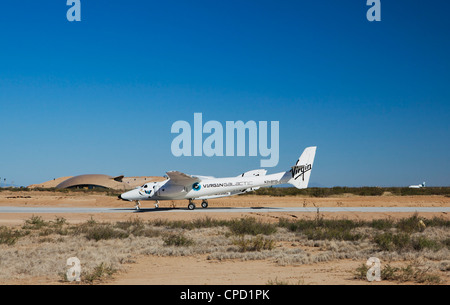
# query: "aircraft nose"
129,196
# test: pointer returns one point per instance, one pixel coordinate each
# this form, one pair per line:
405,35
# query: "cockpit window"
144,186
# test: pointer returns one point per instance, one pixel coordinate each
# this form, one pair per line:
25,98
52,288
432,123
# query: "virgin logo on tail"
300,170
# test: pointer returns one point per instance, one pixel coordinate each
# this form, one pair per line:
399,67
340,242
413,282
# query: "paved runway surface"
58,210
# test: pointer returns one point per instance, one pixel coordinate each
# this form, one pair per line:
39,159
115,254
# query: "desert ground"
152,263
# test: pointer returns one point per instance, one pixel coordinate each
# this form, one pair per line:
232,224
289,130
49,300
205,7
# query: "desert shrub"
332,234
296,226
251,226
409,273
446,242
35,223
390,241
130,225
104,232
361,272
403,241
277,282
100,272
8,236
92,230
422,243
382,224
324,229
306,224
178,240
411,224
257,243
206,222
137,227
437,222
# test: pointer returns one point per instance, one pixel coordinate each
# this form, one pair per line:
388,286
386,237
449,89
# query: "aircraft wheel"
204,204
191,206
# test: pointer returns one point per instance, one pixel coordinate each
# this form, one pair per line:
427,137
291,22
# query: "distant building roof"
94,180
116,183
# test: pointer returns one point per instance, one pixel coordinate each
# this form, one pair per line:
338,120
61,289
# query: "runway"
85,210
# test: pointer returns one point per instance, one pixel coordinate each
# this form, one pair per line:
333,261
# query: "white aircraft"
417,186
191,187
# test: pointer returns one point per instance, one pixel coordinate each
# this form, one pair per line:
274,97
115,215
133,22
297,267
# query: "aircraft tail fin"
301,171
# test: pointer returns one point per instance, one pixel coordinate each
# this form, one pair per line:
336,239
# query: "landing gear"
157,204
191,205
204,204
138,205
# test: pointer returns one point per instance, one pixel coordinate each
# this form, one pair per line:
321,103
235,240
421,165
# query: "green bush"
437,222
98,231
324,229
206,222
8,236
332,234
257,243
422,243
251,226
35,223
136,227
390,242
382,224
410,225
98,273
178,240
104,232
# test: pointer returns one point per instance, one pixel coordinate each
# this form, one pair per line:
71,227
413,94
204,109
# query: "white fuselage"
417,186
219,186
204,189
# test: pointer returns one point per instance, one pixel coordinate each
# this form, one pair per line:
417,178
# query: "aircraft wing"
256,173
181,178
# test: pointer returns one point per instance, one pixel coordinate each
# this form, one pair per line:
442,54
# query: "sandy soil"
199,270
180,271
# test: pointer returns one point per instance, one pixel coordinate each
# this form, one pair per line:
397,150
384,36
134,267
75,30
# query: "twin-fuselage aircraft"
182,186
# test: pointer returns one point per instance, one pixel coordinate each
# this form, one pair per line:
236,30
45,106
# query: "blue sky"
100,95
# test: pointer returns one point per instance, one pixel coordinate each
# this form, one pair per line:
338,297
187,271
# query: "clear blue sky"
100,95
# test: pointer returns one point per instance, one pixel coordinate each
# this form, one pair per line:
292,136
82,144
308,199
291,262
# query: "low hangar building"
97,181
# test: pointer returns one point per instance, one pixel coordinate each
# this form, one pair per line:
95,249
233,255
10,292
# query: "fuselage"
215,187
